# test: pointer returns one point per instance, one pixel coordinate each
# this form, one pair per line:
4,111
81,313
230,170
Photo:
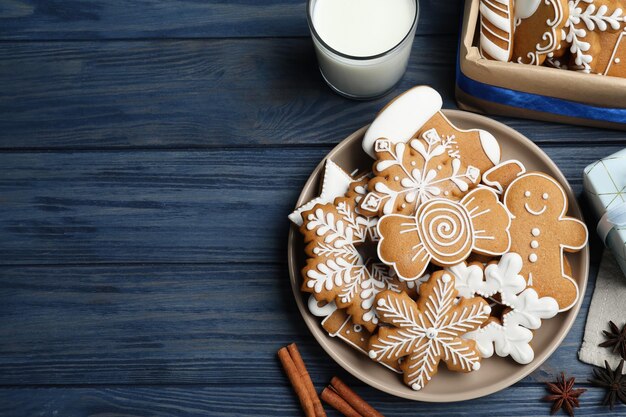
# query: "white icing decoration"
532,257
500,278
335,183
535,212
535,231
490,146
615,49
318,311
545,196
468,279
534,244
345,268
526,193
488,37
442,333
512,337
495,184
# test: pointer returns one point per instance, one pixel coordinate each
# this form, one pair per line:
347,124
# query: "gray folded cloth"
608,303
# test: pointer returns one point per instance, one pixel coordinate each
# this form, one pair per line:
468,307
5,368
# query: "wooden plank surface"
272,400
170,324
204,94
156,206
115,19
150,153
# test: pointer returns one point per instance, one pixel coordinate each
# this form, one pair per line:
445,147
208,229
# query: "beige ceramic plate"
495,373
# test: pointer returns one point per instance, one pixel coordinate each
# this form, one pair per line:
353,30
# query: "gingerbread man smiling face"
540,232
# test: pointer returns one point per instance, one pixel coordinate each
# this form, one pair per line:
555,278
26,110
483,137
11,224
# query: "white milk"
374,37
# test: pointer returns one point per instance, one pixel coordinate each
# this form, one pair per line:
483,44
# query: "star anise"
615,339
563,394
613,381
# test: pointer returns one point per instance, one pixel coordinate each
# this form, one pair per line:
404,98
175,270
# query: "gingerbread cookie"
611,59
444,232
432,158
428,331
588,31
539,31
336,269
540,232
503,174
497,24
340,325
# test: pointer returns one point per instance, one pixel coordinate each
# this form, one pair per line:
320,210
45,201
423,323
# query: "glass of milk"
362,46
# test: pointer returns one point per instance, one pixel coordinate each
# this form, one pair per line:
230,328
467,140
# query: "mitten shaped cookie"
427,158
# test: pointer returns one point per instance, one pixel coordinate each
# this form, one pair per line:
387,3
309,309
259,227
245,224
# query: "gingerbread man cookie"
539,31
540,232
429,331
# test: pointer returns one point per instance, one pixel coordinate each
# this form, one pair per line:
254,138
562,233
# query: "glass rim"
316,35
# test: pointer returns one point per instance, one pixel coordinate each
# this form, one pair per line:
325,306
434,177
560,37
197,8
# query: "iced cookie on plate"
429,331
421,155
338,267
444,232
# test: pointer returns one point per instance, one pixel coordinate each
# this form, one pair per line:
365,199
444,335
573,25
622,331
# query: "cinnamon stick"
352,398
334,400
306,379
296,382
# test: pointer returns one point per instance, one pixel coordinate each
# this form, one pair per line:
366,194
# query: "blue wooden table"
150,152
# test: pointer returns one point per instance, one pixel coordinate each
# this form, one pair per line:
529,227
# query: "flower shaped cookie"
429,331
444,232
525,309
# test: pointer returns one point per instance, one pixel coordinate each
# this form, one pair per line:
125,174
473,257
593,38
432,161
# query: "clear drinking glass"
362,77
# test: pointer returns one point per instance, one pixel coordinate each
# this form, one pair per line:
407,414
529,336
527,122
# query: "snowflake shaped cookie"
411,174
336,270
428,331
512,335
